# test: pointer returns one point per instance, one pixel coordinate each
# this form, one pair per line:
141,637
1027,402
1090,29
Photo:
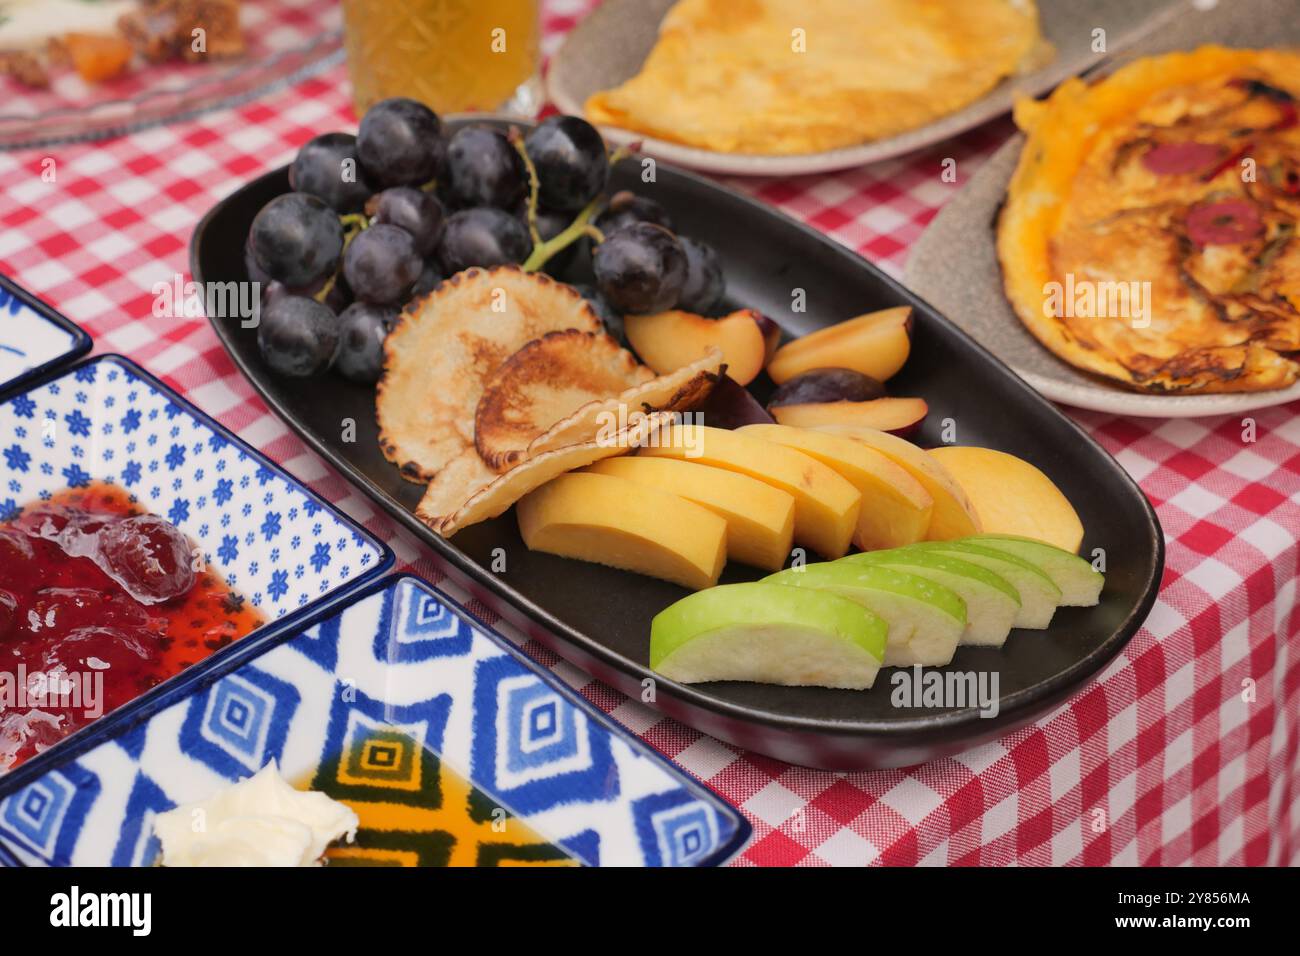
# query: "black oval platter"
599,617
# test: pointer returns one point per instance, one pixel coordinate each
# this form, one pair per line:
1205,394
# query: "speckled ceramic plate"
954,265
609,46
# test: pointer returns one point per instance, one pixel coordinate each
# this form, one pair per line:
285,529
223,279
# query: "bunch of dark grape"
380,218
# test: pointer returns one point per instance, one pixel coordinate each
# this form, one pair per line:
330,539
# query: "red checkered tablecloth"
1185,750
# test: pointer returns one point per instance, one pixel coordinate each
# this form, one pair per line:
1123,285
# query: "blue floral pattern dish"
278,545
33,337
383,704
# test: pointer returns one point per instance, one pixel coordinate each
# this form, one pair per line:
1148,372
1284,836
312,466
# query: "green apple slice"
1080,585
1039,595
769,634
925,619
991,603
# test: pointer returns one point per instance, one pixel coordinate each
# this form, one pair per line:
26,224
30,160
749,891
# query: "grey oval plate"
955,267
611,44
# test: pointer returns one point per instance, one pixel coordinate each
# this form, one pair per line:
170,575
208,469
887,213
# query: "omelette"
1148,234
781,77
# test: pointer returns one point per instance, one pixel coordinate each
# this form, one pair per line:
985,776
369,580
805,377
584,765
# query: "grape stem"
534,186
624,152
581,226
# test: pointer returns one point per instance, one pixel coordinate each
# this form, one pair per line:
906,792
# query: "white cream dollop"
259,821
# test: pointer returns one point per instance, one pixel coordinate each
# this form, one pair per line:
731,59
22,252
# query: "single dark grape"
569,157
296,239
327,167
430,276
626,208
416,211
382,264
362,330
297,336
484,169
255,272
148,556
483,237
704,285
640,268
400,143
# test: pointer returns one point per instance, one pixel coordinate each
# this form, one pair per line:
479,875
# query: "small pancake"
447,345
545,381
684,389
505,490
677,391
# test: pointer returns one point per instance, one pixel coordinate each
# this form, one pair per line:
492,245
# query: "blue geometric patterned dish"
33,337
451,744
278,545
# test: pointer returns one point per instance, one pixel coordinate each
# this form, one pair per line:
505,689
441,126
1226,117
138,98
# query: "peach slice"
896,508
953,515
625,525
875,344
760,518
899,416
668,340
1011,496
826,505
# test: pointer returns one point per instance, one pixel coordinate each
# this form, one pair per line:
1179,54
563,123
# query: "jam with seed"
99,602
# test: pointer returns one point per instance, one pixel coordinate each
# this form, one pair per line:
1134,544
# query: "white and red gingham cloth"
1185,750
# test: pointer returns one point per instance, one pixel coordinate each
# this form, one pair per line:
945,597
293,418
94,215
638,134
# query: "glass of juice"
452,55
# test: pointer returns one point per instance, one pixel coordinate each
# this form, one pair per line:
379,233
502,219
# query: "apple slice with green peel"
925,619
1080,584
768,634
1039,595
991,602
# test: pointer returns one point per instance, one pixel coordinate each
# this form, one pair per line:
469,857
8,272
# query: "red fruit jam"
98,603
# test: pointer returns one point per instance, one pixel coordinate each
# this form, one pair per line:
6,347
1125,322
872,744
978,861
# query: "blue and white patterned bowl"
382,704
33,337
277,544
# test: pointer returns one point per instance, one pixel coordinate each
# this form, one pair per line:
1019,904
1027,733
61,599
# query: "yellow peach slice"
760,518
668,340
825,504
1011,496
875,344
895,509
626,525
953,515
896,415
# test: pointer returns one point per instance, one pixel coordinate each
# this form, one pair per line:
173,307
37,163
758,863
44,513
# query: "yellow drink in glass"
452,55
